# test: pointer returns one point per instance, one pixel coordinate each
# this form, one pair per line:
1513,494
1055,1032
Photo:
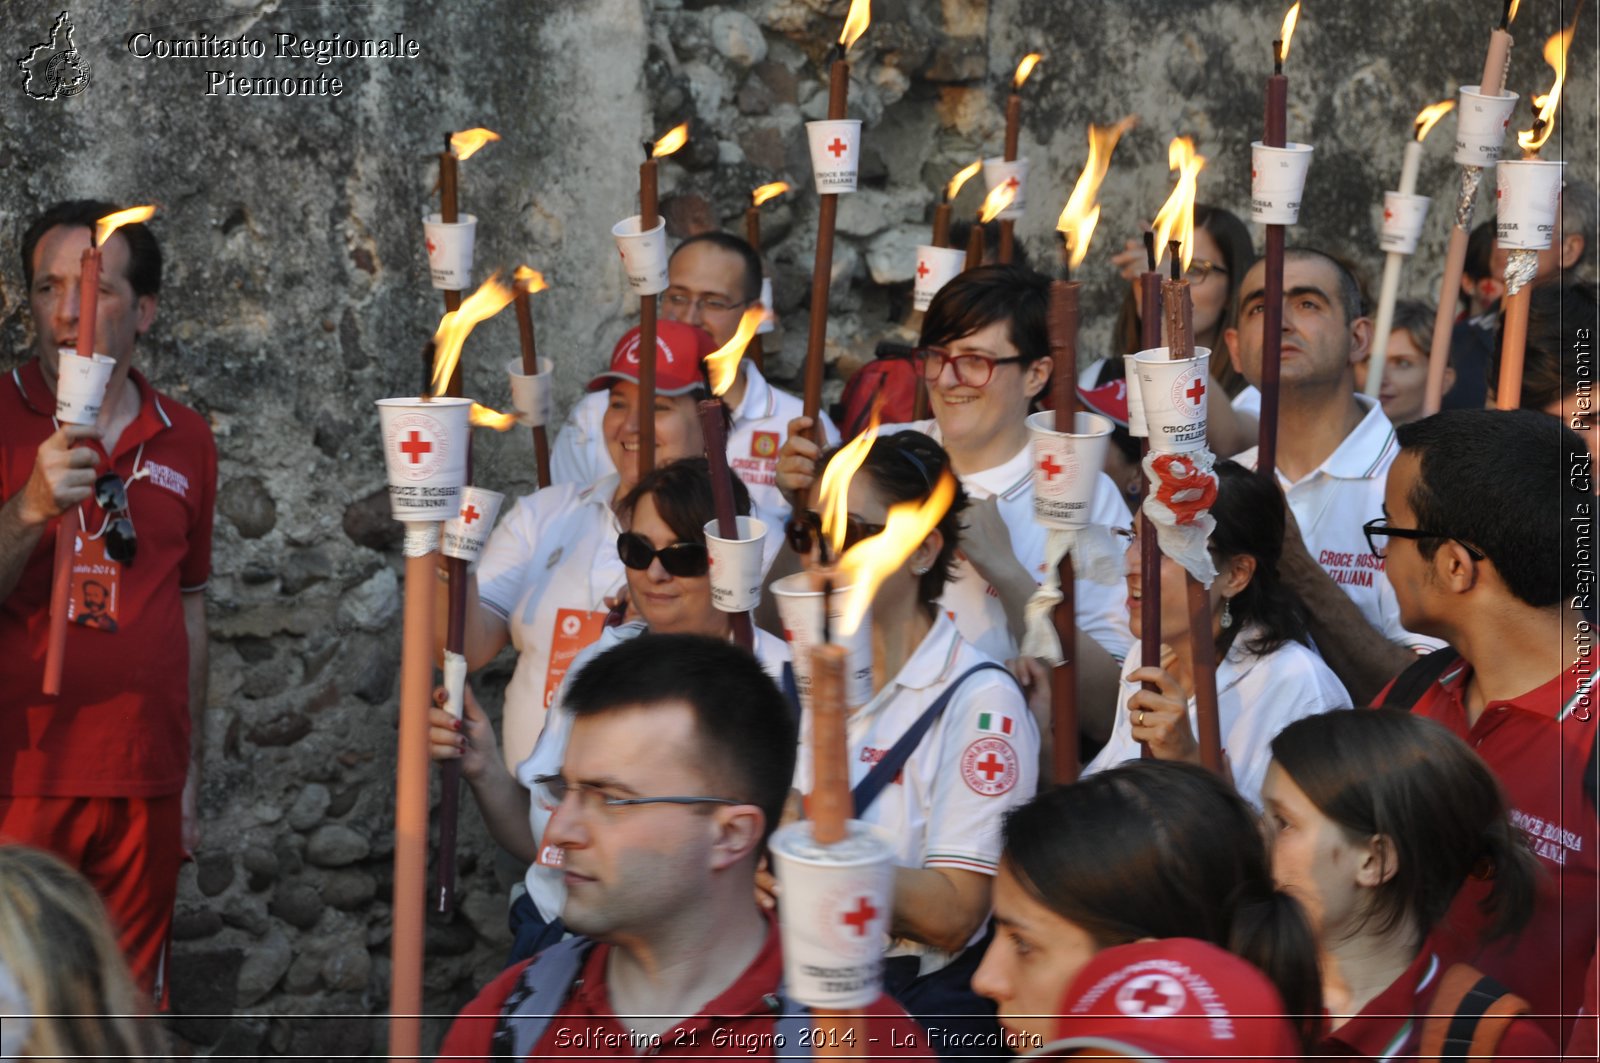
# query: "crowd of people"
1399,851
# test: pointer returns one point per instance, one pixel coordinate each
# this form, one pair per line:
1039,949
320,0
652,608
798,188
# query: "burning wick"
827,605
1174,251
1277,57
1150,251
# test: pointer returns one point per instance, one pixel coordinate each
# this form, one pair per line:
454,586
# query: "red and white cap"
1173,999
679,351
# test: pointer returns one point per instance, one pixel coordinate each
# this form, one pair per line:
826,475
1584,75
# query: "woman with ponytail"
1376,820
1148,849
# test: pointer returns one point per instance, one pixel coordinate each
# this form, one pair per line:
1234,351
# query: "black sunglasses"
804,529
112,496
679,559
1379,531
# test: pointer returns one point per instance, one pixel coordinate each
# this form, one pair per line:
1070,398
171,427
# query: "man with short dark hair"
1488,542
107,774
1334,448
675,773
713,277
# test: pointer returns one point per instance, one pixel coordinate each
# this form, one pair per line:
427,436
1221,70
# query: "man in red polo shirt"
675,772
106,774
1487,537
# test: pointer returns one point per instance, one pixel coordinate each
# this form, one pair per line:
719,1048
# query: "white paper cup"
835,154
736,568
1402,222
835,913
425,449
81,385
1526,203
1175,399
466,533
996,172
800,611
644,255
532,396
936,267
1481,124
1137,428
450,251
768,323
1277,178
1066,466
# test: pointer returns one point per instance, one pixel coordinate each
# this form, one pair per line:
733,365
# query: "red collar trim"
1376,1028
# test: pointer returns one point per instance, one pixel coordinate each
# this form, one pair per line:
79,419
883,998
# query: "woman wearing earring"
1267,674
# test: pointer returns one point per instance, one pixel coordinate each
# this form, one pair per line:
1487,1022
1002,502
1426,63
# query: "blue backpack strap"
537,996
885,770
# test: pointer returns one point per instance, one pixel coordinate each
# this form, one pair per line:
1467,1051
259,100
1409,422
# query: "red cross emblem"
1252,173
1151,996
1012,182
922,268
470,514
858,919
989,766
415,447
1388,215
1049,467
1197,391
838,147
432,247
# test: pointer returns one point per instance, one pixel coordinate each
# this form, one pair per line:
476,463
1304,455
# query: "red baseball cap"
1108,400
679,350
1173,999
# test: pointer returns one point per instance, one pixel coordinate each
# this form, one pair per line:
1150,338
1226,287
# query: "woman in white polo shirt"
979,758
1267,674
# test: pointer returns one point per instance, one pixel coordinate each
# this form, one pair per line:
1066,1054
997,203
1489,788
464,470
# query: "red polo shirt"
740,1023
1537,745
1390,1026
121,725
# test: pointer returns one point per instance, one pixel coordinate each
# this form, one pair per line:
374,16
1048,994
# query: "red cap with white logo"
1173,999
679,351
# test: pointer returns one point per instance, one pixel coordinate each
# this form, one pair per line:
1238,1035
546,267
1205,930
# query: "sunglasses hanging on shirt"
121,542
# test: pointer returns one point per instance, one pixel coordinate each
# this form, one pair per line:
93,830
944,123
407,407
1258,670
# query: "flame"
722,364
998,199
529,280
488,300
965,174
109,224
1082,212
466,143
1429,116
856,22
1287,32
833,493
766,192
1511,16
1555,53
484,417
1024,68
1176,219
870,561
676,138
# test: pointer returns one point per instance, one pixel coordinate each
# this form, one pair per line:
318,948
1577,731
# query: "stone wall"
296,294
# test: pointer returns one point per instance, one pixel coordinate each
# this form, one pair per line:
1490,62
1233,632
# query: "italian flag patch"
994,723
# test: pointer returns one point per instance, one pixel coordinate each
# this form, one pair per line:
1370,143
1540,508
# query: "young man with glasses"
675,774
122,745
1488,542
1334,449
713,278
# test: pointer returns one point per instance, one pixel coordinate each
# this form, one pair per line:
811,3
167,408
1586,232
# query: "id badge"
94,600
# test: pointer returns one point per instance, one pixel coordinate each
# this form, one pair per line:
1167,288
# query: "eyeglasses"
679,559
973,370
553,791
1379,531
1201,268
804,529
714,304
112,496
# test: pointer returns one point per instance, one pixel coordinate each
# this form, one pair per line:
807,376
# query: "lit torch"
752,235
722,369
458,147
649,216
998,199
1013,132
941,213
527,282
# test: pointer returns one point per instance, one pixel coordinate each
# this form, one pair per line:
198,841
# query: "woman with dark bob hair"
1376,820
1267,673
1144,850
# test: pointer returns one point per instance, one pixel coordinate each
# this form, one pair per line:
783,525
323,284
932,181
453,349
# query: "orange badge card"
574,630
96,587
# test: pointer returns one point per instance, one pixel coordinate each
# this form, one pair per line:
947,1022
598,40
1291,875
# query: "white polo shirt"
544,883
978,761
1333,501
1100,611
547,569
759,425
1256,698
